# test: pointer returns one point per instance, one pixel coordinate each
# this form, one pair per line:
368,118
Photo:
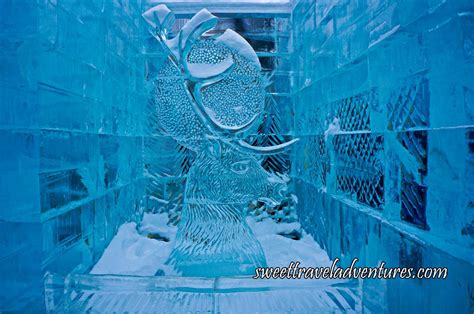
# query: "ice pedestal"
216,295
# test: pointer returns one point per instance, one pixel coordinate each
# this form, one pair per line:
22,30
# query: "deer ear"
214,148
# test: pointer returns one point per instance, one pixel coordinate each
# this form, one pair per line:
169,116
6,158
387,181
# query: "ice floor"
142,250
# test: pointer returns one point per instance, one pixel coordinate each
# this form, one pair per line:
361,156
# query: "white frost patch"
333,128
194,23
281,251
131,253
173,45
384,35
157,13
236,42
294,198
157,223
407,159
266,149
204,70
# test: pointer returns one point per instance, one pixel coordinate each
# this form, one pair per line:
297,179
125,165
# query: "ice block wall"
71,117
385,109
269,33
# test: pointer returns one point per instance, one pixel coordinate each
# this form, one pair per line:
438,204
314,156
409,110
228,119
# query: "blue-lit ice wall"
393,179
71,115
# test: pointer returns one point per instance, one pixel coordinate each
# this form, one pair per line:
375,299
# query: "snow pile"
280,250
143,250
132,253
157,224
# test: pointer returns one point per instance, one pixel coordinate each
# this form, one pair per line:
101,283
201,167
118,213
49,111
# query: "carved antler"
198,76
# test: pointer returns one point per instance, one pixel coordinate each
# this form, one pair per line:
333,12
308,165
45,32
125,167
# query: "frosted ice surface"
236,42
204,70
214,118
173,45
192,26
157,13
269,149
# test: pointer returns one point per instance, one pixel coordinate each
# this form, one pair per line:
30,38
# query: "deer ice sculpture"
209,95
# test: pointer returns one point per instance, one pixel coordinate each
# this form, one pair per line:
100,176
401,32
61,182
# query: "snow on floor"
133,252
280,250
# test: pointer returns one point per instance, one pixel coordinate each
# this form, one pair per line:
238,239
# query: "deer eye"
240,167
